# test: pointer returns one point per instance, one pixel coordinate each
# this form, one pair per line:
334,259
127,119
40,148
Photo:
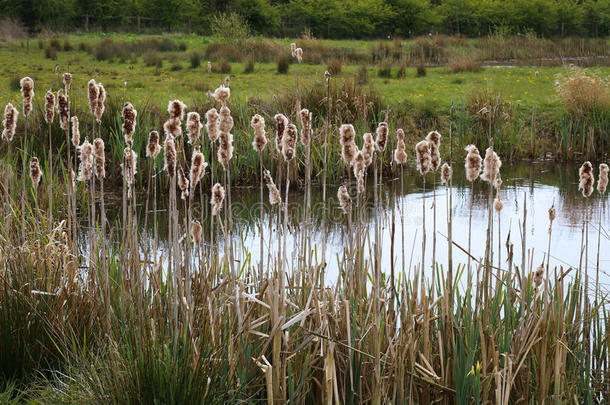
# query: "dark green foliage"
195,58
421,70
384,70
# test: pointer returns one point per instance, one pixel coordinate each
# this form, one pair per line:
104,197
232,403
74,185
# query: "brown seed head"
183,183
282,123
35,172
446,173
226,121
85,168
602,183
260,139
93,95
382,136
129,168
100,158
347,137
305,126
63,107
400,155
129,115
27,91
196,232
345,200
491,166
175,108
434,139
67,78
422,151
289,142
193,126
473,163
75,131
10,122
368,149
153,147
274,193
101,99
299,54
49,107
222,94
198,166
170,155
211,124
218,196
587,179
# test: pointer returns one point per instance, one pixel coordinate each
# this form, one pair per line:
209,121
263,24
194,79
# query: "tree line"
356,19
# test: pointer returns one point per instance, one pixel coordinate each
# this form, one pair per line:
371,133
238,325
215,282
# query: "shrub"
219,50
401,73
249,68
54,42
67,46
230,27
421,70
153,58
175,67
334,66
84,47
583,94
223,66
384,70
362,77
109,50
50,52
195,58
283,64
464,64
182,46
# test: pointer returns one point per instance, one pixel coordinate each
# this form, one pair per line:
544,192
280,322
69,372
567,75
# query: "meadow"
96,307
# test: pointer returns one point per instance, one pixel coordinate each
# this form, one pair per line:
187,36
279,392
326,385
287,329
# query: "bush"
334,66
195,58
153,58
421,70
384,71
231,28
464,64
249,68
283,64
362,77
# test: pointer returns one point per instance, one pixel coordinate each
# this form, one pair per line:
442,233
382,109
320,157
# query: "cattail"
348,144
491,166
35,172
218,196
274,193
345,200
305,126
586,179
209,67
198,166
282,123
498,204
129,168
211,124
299,54
434,139
63,107
400,156
153,148
473,163
222,94
196,232
260,140
27,91
551,217
10,122
183,183
382,136
101,98
538,276
49,107
359,167
129,115
85,169
227,81
422,150
289,142
293,49
175,108
225,149
100,158
93,95
193,126
75,131
368,149
602,183
67,81
225,123
446,173
170,155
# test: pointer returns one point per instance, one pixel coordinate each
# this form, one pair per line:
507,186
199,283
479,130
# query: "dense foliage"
322,18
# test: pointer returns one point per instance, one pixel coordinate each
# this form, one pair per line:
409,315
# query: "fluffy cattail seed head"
602,183
225,149
498,204
170,155
446,173
196,232
75,131
434,139
211,124
347,136
183,183
67,78
587,179
260,139
359,167
305,126
218,196
49,107
274,193
153,147
225,123
193,126
129,115
35,172
129,168
368,149
382,136
491,166
289,142
198,166
551,217
10,122
400,156
100,158
282,123
473,163
222,94
92,96
293,49
101,99
345,200
63,107
85,168
299,54
422,150
209,67
538,274
175,108
27,91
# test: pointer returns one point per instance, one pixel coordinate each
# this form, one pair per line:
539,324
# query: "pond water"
537,185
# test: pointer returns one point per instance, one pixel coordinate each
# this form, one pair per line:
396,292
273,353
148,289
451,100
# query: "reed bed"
195,321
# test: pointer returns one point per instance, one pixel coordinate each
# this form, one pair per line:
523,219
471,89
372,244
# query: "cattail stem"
104,252
24,145
91,235
433,234
50,207
261,212
470,229
324,170
212,240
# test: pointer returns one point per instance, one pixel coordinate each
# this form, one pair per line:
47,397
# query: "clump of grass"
249,68
334,66
421,70
195,59
583,94
362,76
153,58
464,63
384,70
283,64
51,52
223,66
